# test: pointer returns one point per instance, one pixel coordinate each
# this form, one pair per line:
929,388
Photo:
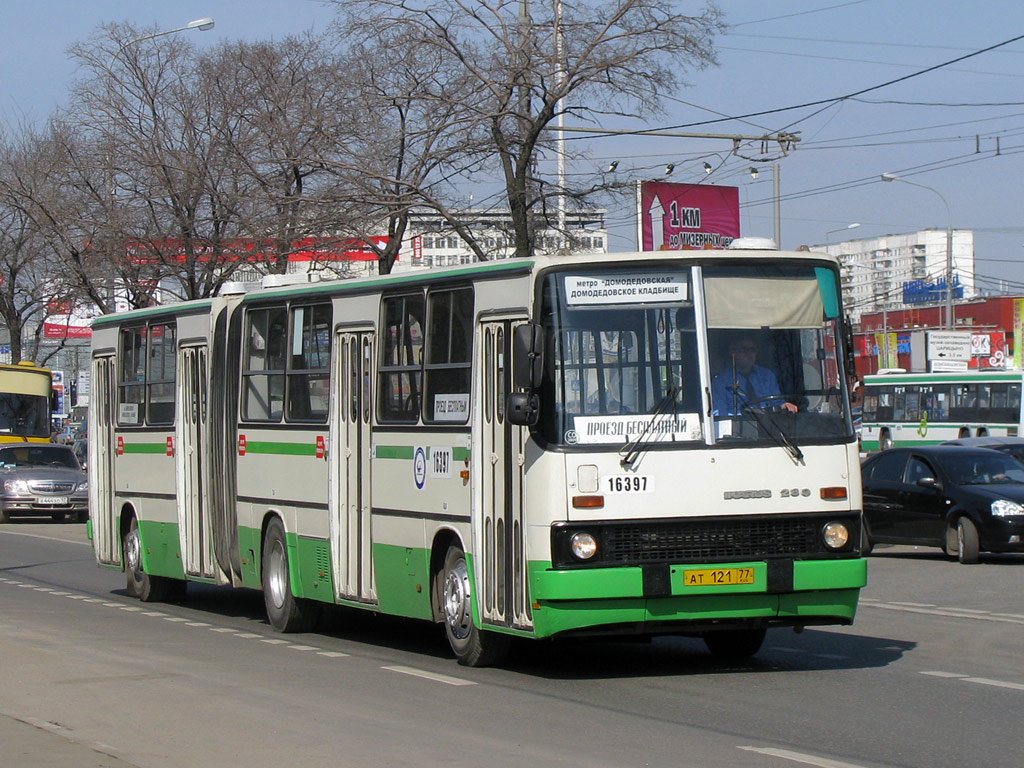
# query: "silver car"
42,479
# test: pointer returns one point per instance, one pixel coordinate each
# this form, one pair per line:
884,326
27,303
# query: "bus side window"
263,374
449,353
308,378
401,350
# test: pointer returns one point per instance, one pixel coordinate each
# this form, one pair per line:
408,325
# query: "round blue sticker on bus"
419,468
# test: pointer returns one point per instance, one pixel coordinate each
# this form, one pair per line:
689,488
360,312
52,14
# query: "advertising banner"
1018,332
677,217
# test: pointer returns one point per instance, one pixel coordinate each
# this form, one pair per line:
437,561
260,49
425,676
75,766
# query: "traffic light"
74,394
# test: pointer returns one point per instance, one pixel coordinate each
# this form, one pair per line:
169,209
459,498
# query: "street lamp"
841,229
202,25
949,243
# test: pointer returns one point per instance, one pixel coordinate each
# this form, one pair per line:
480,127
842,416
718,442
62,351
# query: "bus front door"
501,536
349,456
106,537
193,503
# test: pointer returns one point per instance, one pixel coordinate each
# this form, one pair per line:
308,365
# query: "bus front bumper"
628,600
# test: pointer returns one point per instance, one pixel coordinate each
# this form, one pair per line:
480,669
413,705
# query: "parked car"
964,500
1014,446
42,479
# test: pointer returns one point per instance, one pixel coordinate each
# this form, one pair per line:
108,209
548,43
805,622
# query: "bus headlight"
1006,508
835,535
583,545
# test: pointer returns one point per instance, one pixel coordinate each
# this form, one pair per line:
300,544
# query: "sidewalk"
28,746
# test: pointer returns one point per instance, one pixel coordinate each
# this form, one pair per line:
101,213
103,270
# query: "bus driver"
745,382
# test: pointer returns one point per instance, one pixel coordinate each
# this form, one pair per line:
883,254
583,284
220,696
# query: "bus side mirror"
527,356
523,405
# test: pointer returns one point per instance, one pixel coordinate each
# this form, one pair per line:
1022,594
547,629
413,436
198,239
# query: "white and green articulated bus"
903,408
522,448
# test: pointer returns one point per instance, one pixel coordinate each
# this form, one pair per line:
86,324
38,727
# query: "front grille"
704,539
51,486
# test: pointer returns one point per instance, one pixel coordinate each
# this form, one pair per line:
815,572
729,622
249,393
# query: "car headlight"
835,535
15,486
83,486
583,545
1006,508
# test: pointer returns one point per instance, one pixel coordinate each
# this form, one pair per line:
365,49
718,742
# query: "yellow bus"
25,403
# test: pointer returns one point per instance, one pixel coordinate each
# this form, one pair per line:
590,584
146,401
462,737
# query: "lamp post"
841,229
202,25
949,243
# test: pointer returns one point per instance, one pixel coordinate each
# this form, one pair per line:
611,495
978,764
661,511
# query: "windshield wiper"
635,446
777,434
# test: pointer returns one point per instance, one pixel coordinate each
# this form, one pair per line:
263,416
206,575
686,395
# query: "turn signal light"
835,493
588,502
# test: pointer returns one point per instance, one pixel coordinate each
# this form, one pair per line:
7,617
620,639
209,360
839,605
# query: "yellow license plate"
717,577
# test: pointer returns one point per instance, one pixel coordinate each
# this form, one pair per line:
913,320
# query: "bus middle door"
193,494
503,529
349,456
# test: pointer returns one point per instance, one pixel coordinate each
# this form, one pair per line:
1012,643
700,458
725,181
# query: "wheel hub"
457,602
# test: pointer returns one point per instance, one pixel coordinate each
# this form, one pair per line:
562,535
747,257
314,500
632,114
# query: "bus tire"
285,612
472,646
138,583
968,549
735,643
884,440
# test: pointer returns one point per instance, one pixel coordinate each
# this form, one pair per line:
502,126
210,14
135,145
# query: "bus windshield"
632,356
26,415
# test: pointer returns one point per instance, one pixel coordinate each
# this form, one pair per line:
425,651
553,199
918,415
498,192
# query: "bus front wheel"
285,612
472,646
138,583
735,643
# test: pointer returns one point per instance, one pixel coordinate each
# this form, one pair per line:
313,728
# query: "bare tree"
173,201
524,66
282,112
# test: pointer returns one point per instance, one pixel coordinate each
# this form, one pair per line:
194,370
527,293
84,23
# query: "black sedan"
1014,446
964,500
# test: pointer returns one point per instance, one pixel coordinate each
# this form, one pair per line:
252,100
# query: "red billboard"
675,217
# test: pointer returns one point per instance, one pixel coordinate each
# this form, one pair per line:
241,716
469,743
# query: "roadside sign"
949,345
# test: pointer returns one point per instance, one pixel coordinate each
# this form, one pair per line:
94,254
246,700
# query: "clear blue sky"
775,55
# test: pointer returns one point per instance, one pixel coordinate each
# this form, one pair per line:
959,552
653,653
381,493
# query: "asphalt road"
931,675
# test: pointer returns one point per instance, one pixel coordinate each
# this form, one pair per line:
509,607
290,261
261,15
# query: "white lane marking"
1010,615
273,641
43,589
962,610
222,629
303,648
248,635
978,680
130,608
950,613
332,654
106,605
27,586
198,624
800,757
913,605
157,614
175,618
996,683
48,538
437,678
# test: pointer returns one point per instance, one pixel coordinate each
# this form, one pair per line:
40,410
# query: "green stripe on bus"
145,448
407,452
281,449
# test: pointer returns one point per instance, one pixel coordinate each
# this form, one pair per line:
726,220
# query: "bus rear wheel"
472,646
285,612
138,583
884,440
735,643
